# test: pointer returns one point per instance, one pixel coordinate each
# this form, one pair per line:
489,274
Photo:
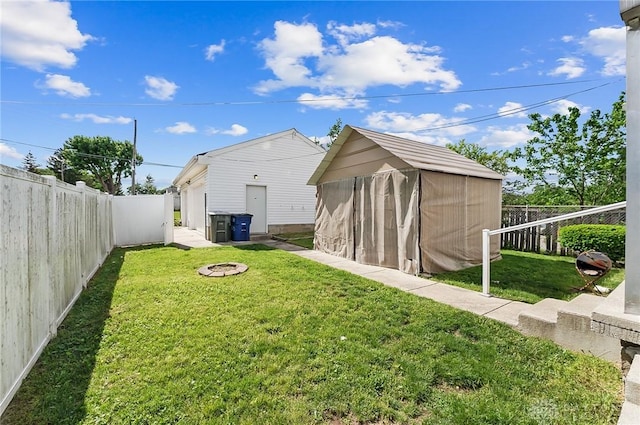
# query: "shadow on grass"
254,247
54,390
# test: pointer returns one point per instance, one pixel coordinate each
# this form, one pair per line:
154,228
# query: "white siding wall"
195,206
283,164
53,237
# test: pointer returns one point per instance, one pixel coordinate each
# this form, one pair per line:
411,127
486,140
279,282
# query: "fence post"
486,262
53,270
82,227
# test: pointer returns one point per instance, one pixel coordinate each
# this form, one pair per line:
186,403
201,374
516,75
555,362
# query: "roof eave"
191,169
333,151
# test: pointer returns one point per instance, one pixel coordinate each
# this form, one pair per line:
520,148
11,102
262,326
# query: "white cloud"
236,130
285,53
64,86
608,44
9,152
433,127
160,88
562,107
402,121
298,56
385,60
37,34
181,127
213,50
390,24
567,38
346,101
348,33
512,109
97,119
571,67
522,66
461,107
506,137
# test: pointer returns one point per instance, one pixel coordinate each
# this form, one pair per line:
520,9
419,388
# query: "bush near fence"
606,238
545,238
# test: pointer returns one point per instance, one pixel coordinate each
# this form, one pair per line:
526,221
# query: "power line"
453,124
88,155
511,111
285,101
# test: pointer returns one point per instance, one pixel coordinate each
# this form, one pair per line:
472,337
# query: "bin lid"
219,213
242,215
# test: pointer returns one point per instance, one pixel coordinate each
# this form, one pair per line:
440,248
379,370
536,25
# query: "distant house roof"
198,163
242,145
417,154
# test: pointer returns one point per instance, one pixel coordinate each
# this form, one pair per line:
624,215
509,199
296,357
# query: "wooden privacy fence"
544,238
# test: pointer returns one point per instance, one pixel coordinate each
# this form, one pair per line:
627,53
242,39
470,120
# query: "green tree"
334,131
497,161
588,161
105,160
29,163
58,166
148,188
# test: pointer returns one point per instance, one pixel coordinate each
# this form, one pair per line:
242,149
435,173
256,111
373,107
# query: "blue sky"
203,75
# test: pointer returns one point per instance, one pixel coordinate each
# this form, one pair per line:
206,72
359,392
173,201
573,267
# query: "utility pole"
133,158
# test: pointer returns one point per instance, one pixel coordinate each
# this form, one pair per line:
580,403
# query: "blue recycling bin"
241,227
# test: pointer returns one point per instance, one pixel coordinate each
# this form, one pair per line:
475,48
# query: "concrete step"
541,318
629,414
573,329
576,314
632,383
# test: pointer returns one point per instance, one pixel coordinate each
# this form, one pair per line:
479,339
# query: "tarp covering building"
393,202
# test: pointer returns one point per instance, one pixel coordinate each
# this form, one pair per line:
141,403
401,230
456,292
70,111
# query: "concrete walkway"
505,311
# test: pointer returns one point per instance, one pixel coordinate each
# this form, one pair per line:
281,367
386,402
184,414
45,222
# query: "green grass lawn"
292,341
518,276
528,277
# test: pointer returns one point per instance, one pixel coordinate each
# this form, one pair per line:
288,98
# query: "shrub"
605,238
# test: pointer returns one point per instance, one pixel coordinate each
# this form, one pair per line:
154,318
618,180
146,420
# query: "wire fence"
544,238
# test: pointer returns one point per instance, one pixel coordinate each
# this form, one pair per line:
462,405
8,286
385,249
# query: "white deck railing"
486,235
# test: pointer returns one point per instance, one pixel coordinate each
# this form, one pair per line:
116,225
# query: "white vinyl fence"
139,219
53,237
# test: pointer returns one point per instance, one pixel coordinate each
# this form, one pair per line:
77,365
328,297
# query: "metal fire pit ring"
222,269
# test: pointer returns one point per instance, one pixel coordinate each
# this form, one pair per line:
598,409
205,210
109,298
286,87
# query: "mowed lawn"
293,342
529,277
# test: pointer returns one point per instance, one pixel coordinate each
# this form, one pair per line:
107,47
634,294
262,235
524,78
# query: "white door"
257,206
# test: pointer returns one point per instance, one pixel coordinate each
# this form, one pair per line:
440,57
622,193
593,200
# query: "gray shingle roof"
417,154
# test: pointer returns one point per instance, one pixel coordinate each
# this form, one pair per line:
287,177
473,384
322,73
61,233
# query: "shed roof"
417,154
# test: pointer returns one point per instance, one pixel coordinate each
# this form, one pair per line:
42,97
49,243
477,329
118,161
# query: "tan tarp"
375,219
334,218
454,209
386,212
